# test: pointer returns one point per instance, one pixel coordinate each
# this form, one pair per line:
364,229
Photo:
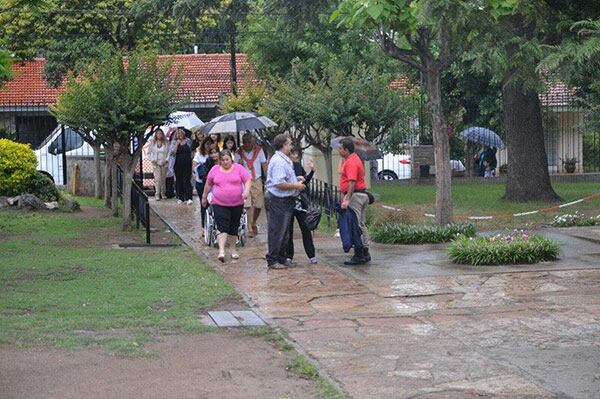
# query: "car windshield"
50,137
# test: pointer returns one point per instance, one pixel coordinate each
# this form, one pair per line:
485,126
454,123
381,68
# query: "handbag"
312,217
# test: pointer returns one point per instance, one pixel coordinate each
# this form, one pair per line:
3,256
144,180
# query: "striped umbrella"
483,136
236,122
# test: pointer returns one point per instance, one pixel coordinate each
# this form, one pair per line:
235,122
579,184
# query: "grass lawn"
481,199
62,283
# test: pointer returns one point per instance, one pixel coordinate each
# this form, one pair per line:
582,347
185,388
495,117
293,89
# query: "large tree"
429,36
118,101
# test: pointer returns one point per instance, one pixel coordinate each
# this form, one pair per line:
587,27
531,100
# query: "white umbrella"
186,120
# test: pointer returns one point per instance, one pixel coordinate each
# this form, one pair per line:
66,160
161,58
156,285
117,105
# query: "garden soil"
229,364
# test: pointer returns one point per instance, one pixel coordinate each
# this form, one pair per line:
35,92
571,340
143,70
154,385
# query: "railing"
140,208
324,196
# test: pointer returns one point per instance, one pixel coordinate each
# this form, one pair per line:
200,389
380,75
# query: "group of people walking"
230,178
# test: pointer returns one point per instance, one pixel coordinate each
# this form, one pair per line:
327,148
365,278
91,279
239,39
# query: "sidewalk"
413,325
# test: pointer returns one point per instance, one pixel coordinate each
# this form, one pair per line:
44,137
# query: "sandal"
235,255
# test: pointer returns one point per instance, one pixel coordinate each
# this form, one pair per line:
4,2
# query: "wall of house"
86,174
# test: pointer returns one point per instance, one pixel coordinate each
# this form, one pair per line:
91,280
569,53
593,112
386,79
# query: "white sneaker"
156,198
189,202
179,201
313,261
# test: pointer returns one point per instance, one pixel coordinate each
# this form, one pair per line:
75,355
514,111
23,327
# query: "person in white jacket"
158,154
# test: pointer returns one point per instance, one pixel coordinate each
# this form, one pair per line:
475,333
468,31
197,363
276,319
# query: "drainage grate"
236,318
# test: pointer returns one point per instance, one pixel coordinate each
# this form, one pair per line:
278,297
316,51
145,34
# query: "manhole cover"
236,318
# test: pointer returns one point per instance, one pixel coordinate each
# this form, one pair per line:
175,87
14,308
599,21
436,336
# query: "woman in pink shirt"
230,184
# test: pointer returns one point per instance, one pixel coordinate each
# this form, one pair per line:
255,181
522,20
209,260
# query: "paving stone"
413,325
224,319
248,318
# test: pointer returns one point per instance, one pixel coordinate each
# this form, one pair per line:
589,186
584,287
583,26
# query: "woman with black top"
182,149
302,203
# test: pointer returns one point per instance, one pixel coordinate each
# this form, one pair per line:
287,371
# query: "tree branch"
387,44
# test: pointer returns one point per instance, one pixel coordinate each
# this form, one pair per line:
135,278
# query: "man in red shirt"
353,186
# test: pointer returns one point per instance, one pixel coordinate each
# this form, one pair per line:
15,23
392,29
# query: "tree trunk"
441,143
128,173
528,177
233,61
98,168
114,198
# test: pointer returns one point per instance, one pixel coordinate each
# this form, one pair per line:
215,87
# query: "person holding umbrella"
253,158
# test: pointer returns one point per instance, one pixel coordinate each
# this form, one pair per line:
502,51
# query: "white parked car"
49,153
394,167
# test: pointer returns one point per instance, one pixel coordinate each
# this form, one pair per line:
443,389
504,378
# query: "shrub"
42,187
398,233
509,249
576,219
17,167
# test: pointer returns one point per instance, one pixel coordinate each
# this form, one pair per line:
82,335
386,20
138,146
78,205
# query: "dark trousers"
183,176
279,216
307,241
200,190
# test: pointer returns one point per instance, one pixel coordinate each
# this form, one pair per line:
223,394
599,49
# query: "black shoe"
366,254
357,259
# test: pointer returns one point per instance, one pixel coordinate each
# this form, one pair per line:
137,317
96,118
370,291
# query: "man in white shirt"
253,158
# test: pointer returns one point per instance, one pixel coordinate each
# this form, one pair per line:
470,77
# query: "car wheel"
387,175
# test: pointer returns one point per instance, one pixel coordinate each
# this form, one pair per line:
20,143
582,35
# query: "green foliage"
250,100
397,233
6,61
42,187
503,250
61,284
119,102
304,368
591,151
17,167
71,34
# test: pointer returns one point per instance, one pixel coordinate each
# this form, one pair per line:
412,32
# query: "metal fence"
140,208
324,196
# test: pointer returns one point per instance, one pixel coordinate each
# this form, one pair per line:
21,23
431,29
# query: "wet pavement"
412,325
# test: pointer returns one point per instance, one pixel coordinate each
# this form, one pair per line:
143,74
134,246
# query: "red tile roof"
558,94
205,78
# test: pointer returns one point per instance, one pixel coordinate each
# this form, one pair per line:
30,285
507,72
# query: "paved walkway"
413,325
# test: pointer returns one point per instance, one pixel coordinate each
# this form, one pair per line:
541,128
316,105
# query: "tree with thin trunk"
358,102
118,99
428,35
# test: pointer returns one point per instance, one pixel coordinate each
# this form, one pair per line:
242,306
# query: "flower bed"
503,249
575,219
398,233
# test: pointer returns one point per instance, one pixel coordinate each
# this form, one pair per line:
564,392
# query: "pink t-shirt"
228,187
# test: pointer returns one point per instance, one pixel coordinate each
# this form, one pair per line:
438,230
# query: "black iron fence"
140,208
324,196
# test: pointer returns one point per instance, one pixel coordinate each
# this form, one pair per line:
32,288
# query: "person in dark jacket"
182,149
300,211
